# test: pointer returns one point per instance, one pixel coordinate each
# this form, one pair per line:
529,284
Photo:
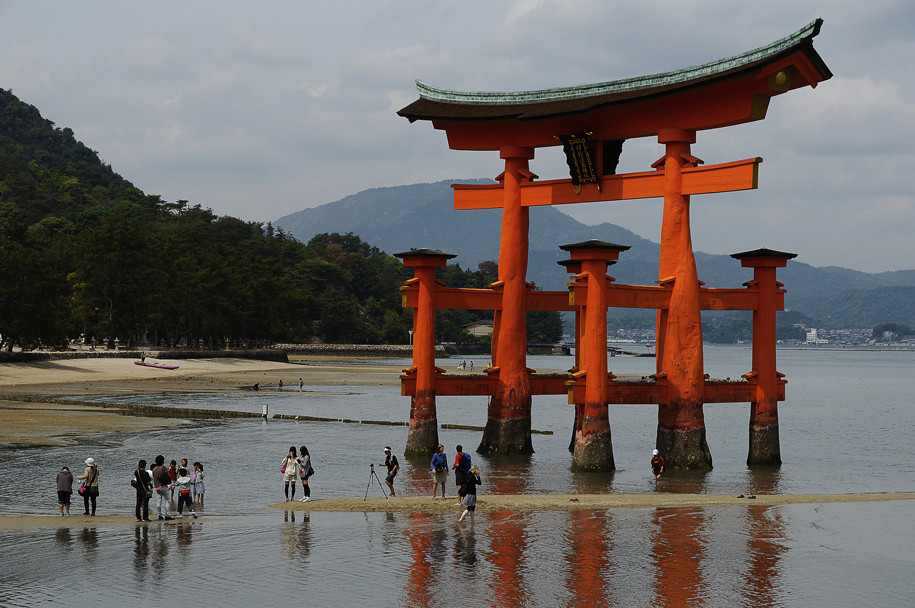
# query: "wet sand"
425,504
568,502
37,423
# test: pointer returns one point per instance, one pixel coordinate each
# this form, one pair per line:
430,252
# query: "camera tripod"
373,475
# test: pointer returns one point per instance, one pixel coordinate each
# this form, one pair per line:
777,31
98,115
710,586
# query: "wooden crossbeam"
618,296
726,177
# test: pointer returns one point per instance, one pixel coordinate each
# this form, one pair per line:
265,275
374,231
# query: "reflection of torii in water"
591,122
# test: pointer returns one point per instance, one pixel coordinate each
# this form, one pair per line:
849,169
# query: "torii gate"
591,122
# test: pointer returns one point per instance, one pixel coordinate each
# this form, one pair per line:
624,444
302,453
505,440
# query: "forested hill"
47,170
84,253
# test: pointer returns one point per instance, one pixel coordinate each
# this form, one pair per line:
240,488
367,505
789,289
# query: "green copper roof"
627,85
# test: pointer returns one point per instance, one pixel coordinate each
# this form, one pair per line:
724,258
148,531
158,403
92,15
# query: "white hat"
90,462
654,453
387,448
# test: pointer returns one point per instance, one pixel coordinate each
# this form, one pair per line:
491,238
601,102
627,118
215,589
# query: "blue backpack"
465,462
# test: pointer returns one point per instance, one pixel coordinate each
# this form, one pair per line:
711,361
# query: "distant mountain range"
399,218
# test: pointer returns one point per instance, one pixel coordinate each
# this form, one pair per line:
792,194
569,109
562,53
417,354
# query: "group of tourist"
297,466
466,478
161,480
88,489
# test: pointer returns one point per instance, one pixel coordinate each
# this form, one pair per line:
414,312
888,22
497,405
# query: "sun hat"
655,453
90,462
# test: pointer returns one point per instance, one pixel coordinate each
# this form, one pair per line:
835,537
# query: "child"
198,484
173,475
469,492
183,485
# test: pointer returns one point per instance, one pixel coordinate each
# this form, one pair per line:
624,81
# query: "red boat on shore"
154,364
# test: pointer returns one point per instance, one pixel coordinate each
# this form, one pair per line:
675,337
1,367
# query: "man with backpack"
461,468
162,480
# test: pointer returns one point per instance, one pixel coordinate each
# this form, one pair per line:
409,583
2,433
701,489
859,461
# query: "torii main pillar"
508,423
681,422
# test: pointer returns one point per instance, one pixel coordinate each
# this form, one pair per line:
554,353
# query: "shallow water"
846,427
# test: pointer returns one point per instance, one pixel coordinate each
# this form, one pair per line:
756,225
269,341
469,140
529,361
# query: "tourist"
657,465
305,471
161,483
461,467
198,484
439,466
390,461
279,385
183,485
301,385
172,476
142,481
90,482
64,489
469,492
290,465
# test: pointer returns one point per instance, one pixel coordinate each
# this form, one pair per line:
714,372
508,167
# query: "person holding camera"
439,466
390,461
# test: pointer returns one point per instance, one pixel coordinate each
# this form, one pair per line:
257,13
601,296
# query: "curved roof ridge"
804,34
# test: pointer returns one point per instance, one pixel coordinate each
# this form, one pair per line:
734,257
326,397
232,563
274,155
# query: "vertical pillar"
593,449
422,438
681,422
508,425
764,438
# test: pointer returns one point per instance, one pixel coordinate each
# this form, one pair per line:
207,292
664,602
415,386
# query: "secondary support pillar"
508,426
422,438
765,449
681,422
593,450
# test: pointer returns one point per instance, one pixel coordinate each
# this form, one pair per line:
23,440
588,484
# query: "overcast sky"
260,109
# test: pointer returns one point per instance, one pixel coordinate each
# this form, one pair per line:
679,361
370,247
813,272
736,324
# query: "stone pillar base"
422,438
507,437
684,449
593,453
765,449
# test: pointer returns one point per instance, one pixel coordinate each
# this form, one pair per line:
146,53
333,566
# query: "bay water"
846,427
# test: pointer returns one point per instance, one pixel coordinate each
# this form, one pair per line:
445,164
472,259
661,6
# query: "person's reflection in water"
288,534
183,537
141,554
588,547
465,550
88,540
160,553
64,539
303,544
677,552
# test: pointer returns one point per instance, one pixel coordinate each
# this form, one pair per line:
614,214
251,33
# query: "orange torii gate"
591,122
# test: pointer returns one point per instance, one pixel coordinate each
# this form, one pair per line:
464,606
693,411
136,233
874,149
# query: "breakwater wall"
261,354
390,351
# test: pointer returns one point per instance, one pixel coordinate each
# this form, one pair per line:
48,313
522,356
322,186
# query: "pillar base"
593,453
684,449
422,438
507,437
765,449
